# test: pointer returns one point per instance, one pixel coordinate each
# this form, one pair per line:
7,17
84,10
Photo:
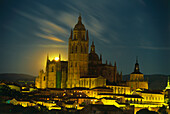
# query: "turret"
168,84
47,61
87,35
136,69
115,64
92,47
59,57
101,57
168,81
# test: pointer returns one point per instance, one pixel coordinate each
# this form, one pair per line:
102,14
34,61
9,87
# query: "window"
75,36
118,90
52,70
85,49
44,78
75,64
72,49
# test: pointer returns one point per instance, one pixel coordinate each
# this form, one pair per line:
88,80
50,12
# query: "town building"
137,79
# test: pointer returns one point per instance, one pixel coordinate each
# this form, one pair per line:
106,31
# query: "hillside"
155,81
15,77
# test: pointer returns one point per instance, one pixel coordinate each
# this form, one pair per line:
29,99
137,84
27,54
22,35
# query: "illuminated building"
83,69
55,75
92,81
83,79
96,67
137,79
120,89
150,97
167,92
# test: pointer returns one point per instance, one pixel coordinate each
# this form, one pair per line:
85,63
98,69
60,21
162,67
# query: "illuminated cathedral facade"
83,69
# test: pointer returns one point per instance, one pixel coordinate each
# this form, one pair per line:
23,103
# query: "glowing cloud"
49,37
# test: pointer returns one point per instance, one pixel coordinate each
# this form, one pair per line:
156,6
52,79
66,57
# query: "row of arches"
76,36
74,49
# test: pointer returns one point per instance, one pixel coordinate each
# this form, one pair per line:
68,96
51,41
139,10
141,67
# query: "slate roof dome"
79,25
93,57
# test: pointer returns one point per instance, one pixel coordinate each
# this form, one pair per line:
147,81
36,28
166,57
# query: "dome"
79,25
93,57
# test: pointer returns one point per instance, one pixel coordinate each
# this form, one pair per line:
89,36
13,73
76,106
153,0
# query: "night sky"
121,30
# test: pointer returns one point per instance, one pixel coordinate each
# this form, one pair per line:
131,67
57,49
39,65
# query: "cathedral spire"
87,35
168,84
100,57
47,62
79,18
136,70
79,25
92,47
59,57
47,57
115,63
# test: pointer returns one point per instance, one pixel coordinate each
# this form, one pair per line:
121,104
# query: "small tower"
137,78
168,84
101,57
92,48
59,57
136,69
115,64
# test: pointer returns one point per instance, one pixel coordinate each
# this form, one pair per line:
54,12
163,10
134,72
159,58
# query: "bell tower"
77,54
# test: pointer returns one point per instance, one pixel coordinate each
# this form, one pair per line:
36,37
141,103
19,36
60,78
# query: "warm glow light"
56,58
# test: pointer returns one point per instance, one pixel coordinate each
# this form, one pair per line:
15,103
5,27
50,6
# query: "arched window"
52,70
75,36
44,78
72,50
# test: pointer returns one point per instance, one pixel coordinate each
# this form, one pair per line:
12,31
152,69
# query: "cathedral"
83,68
